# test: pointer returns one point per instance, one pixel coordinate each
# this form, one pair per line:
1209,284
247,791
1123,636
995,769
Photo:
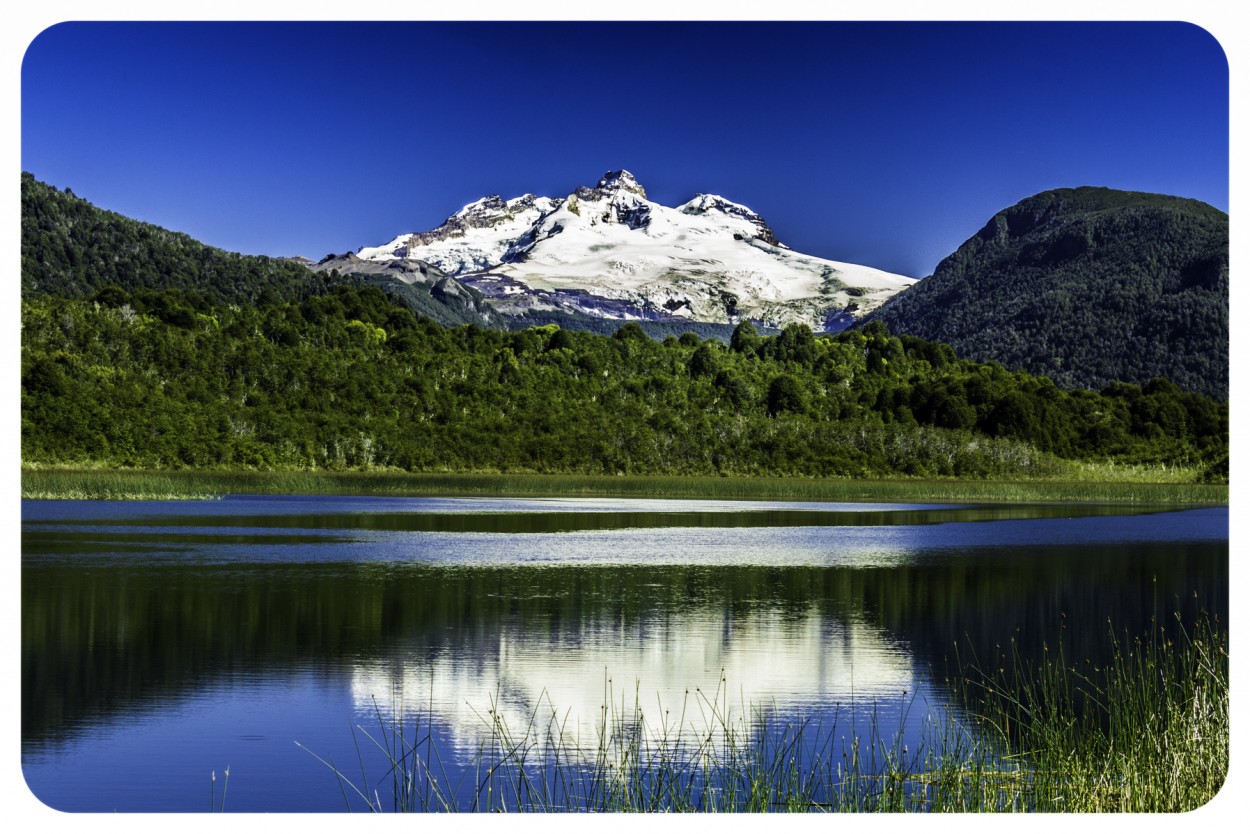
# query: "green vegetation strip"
157,485
348,382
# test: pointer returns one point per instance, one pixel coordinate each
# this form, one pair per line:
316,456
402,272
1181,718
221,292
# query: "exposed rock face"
423,288
486,213
407,271
621,181
474,238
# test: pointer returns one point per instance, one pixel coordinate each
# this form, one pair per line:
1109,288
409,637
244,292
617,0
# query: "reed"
1147,732
213,804
167,485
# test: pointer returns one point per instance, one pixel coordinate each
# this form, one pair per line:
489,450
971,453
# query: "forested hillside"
72,249
348,379
1087,286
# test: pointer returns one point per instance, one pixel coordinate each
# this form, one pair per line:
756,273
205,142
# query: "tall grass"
148,484
1146,732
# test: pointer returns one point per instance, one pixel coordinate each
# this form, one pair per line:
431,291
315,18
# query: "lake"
163,642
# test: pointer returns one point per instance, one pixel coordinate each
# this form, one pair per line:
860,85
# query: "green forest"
349,379
1087,286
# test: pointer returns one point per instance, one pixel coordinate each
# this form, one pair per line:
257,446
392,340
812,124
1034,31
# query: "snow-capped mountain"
610,252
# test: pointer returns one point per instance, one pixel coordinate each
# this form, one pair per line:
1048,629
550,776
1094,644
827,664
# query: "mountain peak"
492,203
621,180
703,204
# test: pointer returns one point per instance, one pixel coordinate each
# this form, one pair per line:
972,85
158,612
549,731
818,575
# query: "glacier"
610,252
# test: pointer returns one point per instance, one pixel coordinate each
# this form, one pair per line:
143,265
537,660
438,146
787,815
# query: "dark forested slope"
72,249
1087,286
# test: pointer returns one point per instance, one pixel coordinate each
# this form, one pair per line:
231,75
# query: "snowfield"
709,260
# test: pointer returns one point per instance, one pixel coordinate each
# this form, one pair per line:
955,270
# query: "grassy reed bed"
165,485
1147,732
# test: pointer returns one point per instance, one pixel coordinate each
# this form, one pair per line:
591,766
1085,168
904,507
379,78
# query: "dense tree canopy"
351,379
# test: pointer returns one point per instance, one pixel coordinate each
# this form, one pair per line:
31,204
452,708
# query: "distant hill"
1087,286
72,249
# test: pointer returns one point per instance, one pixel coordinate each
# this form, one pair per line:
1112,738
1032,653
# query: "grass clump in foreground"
1147,732
166,485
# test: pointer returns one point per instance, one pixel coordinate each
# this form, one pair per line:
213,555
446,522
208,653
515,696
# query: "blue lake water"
165,641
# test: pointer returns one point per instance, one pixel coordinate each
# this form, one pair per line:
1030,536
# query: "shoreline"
119,484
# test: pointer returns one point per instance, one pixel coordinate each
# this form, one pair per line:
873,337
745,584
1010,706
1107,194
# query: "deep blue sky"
886,144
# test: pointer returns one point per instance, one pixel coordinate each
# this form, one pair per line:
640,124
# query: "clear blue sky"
886,144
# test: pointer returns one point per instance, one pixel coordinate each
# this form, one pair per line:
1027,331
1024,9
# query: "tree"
785,394
1013,416
794,344
703,361
631,332
744,339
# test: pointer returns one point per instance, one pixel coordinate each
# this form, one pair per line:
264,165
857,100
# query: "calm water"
163,641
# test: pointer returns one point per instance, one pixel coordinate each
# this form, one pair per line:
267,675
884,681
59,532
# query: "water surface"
162,641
